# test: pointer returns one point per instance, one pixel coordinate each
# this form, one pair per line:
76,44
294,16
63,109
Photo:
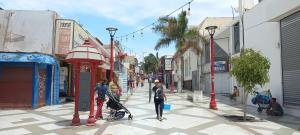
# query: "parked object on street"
262,99
274,108
117,109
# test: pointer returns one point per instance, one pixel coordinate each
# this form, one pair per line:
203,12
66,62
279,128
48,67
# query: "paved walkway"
184,118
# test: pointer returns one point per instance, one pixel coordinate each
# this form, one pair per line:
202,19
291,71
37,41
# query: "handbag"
167,106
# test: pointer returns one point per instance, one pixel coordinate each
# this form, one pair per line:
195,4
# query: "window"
207,53
190,64
186,67
81,37
236,38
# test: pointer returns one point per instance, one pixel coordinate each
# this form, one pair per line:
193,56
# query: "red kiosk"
89,57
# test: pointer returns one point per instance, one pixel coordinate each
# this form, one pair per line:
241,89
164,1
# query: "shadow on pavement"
286,120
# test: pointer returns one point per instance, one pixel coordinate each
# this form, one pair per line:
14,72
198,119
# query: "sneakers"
159,118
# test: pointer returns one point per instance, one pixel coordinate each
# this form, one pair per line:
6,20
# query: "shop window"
207,54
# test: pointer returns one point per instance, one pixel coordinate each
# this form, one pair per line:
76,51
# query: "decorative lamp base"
76,120
213,104
91,121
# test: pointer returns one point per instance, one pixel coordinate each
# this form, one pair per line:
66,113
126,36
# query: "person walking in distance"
137,80
159,97
101,90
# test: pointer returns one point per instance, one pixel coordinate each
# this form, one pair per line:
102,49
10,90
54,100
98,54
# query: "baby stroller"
262,99
117,109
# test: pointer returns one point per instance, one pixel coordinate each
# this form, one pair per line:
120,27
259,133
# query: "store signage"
219,66
168,64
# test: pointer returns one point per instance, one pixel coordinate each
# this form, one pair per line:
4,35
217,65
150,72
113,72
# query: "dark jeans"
274,113
159,105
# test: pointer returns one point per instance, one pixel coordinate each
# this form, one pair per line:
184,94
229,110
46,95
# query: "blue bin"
167,107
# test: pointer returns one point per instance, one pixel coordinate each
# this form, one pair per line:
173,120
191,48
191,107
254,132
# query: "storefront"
290,32
28,80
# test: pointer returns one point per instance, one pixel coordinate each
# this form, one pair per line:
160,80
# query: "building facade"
275,33
35,44
70,34
29,70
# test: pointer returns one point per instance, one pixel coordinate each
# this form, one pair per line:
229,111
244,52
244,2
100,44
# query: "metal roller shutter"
16,87
290,40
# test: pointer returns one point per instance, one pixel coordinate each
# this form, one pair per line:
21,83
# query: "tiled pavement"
185,118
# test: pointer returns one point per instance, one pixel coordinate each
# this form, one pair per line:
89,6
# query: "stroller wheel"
130,117
259,109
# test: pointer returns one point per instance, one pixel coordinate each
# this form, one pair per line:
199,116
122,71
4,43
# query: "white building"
272,27
194,69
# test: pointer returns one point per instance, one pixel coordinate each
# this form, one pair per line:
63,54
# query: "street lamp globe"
112,31
211,30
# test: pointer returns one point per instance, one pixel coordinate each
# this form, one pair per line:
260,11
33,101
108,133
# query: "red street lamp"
112,32
211,30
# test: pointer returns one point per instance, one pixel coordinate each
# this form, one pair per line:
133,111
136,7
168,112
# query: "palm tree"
175,30
150,64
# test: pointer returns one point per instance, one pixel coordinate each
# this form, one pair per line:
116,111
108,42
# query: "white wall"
191,65
222,83
28,31
262,32
223,43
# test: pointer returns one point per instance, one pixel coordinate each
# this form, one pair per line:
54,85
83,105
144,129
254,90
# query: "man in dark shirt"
275,108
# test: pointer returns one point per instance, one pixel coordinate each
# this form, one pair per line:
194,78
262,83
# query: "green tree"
250,69
175,30
150,64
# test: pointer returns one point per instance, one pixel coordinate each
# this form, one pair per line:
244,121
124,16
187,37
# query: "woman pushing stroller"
114,87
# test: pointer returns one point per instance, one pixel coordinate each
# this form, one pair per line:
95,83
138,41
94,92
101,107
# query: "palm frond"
172,29
163,42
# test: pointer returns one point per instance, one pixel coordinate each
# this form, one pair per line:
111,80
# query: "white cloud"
128,12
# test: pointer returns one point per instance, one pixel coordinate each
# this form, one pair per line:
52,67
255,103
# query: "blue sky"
127,16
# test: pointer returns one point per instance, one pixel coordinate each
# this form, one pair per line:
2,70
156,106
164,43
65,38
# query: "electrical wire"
152,24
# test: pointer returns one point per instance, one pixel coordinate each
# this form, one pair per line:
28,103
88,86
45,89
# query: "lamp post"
211,30
112,32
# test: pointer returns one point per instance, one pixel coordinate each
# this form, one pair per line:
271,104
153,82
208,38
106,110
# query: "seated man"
235,93
274,108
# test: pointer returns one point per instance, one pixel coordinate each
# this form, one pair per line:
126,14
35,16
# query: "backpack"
102,91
